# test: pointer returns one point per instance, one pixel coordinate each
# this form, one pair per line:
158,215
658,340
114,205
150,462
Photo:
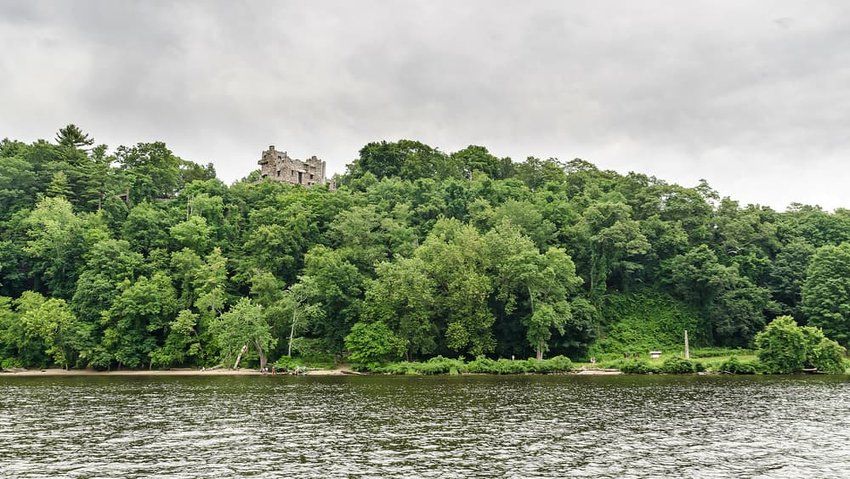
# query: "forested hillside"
136,258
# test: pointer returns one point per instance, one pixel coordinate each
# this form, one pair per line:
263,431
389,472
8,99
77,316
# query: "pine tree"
74,137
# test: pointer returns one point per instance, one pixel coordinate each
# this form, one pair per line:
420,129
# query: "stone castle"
278,166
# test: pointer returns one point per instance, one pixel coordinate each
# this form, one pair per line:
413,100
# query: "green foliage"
709,352
11,363
462,253
822,353
481,365
738,312
826,291
784,347
455,258
288,364
474,159
536,288
372,344
181,344
110,262
555,364
194,233
243,326
53,324
787,275
72,136
733,365
337,291
401,297
615,241
435,365
635,366
58,241
297,311
136,322
647,321
151,169
671,365
677,365
146,228
405,159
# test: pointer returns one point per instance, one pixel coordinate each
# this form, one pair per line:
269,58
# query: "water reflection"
425,427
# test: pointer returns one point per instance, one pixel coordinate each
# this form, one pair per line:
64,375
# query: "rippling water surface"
529,426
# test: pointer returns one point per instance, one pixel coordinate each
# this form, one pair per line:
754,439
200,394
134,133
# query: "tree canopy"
134,257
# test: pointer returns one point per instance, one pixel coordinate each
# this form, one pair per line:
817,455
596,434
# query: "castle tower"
279,166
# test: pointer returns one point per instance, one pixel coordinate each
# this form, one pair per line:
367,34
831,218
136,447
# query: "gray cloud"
751,96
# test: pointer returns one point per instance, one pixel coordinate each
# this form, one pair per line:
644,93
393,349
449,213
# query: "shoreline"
53,372
56,372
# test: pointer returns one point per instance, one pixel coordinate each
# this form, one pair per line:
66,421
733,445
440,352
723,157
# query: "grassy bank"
712,360
441,365
709,360
705,360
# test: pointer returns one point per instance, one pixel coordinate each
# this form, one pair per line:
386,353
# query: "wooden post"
687,350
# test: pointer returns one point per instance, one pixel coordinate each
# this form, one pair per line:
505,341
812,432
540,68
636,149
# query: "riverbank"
170,372
340,371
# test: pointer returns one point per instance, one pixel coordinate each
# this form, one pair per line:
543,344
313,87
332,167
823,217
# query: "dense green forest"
136,258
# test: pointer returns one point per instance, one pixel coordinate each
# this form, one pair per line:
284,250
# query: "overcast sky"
752,96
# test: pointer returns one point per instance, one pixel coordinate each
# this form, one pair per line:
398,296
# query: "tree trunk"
540,351
262,354
239,357
291,332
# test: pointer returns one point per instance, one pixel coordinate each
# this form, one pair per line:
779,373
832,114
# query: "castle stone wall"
279,166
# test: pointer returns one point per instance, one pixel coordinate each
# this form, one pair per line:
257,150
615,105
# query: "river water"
471,426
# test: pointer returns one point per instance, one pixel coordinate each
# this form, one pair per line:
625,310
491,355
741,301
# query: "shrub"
437,365
399,368
635,366
677,365
557,364
508,366
286,364
481,365
784,347
827,356
735,366
10,363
